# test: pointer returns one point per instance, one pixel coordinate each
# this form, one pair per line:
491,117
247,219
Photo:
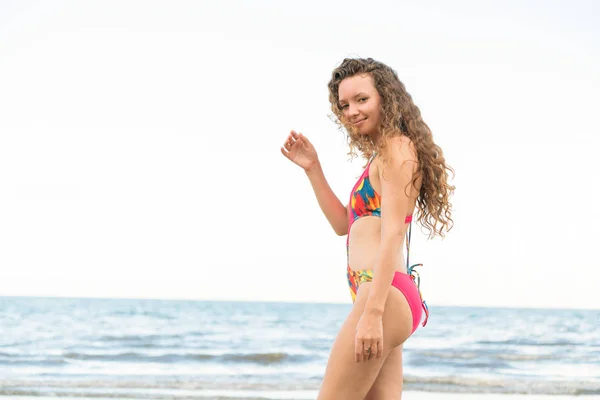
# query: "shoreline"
309,394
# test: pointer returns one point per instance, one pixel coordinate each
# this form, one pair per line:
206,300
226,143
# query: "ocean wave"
529,342
505,386
141,312
243,382
200,395
527,357
137,357
268,358
137,338
120,388
458,362
448,354
472,355
15,344
168,358
49,362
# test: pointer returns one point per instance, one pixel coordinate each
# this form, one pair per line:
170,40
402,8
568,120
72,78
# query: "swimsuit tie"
416,278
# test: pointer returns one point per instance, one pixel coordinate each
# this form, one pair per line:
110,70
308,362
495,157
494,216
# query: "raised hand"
300,151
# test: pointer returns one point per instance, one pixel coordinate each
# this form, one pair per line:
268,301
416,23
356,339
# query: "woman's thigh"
388,385
345,378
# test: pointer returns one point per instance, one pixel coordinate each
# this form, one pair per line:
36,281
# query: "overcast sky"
139,146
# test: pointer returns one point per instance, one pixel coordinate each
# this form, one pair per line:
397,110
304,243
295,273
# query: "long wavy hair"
400,117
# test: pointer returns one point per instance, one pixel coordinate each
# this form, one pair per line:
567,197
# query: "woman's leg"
345,378
388,385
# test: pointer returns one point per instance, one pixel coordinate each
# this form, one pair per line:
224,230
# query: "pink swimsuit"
365,201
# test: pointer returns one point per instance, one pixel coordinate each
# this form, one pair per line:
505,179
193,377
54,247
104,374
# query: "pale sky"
139,146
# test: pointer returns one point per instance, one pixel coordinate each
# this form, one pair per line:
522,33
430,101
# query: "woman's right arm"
298,149
332,207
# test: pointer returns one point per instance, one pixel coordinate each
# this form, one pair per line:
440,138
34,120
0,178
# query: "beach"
405,396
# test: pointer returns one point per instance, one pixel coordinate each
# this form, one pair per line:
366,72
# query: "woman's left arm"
395,178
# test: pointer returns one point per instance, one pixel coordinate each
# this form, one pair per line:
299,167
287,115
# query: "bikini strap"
408,245
414,275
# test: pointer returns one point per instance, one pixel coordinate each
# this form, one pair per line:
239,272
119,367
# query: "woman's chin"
358,131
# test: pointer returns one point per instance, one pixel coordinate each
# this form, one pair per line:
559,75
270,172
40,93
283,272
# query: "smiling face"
360,104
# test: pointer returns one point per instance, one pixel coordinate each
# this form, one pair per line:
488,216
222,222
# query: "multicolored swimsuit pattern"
365,201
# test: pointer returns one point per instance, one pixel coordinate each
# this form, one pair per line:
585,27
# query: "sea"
171,349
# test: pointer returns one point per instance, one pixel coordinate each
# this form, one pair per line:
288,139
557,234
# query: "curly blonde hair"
400,117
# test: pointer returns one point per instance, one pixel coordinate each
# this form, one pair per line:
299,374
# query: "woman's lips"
357,123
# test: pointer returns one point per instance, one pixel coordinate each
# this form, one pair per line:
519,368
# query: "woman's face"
360,104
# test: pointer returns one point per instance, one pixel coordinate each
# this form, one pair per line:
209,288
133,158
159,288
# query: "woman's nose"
352,110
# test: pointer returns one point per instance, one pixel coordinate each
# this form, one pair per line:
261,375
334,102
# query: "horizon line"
507,307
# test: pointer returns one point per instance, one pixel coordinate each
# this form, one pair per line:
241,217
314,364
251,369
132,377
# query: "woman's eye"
362,100
344,106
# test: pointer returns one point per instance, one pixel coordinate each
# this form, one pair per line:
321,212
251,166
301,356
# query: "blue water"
159,349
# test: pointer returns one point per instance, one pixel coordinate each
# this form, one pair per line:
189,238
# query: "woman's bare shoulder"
401,149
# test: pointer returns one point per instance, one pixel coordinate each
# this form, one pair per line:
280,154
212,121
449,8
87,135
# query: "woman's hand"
369,337
300,151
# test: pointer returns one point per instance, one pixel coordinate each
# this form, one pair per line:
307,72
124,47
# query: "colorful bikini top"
364,200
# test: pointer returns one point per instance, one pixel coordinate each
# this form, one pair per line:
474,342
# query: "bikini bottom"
405,283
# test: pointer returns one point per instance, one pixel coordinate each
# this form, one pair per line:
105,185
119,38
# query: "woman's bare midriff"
365,233
363,246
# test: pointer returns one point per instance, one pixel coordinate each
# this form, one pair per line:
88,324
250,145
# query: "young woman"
405,171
